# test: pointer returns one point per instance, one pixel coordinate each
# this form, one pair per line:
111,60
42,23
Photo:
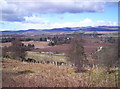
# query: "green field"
48,57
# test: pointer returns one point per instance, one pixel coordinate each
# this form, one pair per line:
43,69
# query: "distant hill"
89,28
60,29
19,31
99,28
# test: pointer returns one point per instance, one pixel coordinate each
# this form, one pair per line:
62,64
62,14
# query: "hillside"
22,74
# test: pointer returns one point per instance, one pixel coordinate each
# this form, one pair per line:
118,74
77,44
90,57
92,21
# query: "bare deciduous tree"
18,50
4,52
76,52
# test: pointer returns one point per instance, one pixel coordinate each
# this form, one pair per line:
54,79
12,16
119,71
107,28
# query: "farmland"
90,46
46,63
36,43
59,44
50,57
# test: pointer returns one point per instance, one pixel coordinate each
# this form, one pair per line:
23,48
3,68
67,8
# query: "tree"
119,49
18,50
76,52
41,39
51,43
5,51
95,34
30,47
108,56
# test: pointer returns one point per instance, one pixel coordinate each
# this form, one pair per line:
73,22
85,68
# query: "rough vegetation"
46,75
39,69
108,57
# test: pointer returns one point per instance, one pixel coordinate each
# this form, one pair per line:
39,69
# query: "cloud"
47,25
16,11
61,17
89,22
108,23
35,19
86,22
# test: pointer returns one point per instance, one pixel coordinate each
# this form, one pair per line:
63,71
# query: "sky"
48,14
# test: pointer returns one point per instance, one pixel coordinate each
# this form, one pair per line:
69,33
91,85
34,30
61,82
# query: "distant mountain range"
99,28
19,31
89,28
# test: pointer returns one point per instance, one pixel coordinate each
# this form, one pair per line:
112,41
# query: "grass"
26,72
59,55
49,57
45,75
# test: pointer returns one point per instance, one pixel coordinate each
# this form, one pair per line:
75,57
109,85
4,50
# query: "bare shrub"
108,57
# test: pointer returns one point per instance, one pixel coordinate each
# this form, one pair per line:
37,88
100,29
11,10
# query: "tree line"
17,50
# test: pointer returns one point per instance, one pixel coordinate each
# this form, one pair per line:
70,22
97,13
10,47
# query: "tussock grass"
26,72
56,76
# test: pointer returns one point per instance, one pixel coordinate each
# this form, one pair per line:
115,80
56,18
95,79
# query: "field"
36,43
39,74
47,57
88,47
22,74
